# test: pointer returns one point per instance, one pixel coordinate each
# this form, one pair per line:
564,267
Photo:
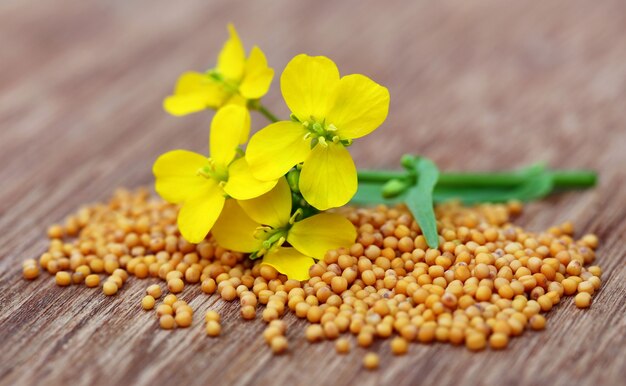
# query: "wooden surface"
474,85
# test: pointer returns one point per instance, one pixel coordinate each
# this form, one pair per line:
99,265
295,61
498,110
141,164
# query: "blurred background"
474,85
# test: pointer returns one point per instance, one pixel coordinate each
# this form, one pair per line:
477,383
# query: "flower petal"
316,235
179,105
290,262
232,59
176,174
194,92
198,214
359,106
228,126
257,75
241,183
328,178
272,208
276,149
307,84
234,230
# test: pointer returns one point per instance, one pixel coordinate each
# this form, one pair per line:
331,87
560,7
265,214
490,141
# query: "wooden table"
474,85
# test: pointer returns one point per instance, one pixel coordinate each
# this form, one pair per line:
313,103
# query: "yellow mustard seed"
486,283
175,285
582,300
342,346
212,315
92,280
183,319
314,333
279,344
167,322
537,322
170,299
109,288
399,346
55,231
270,333
154,290
164,309
63,278
498,341
371,361
30,272
213,328
147,303
475,341
248,312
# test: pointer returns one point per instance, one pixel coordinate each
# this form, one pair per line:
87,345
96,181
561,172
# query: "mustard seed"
342,346
399,346
537,322
63,278
314,333
167,322
498,341
212,315
92,280
248,312
183,319
213,328
30,272
147,303
270,333
475,341
170,299
228,293
371,361
164,309
582,300
175,285
154,291
109,288
279,345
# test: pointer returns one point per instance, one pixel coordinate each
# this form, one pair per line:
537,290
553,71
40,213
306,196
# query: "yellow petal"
290,262
328,178
257,75
234,230
194,92
276,149
176,174
272,208
227,127
180,105
198,214
359,106
307,84
241,183
316,235
232,58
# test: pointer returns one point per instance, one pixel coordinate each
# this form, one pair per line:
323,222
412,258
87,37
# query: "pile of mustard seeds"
488,282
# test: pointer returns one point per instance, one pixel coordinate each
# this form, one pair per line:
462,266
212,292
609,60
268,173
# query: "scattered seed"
371,361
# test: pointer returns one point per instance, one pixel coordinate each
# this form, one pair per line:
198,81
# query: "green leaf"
419,199
537,183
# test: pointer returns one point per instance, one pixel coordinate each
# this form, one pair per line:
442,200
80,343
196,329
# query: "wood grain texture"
474,85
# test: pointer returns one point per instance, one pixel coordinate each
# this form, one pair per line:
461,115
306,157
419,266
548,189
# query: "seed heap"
488,281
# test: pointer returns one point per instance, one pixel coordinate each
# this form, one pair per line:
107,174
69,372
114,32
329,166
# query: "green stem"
266,113
560,178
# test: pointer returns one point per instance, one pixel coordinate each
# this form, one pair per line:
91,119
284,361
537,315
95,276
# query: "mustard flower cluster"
270,198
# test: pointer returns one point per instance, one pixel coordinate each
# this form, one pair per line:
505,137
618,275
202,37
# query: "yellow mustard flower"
261,226
235,80
202,184
328,112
